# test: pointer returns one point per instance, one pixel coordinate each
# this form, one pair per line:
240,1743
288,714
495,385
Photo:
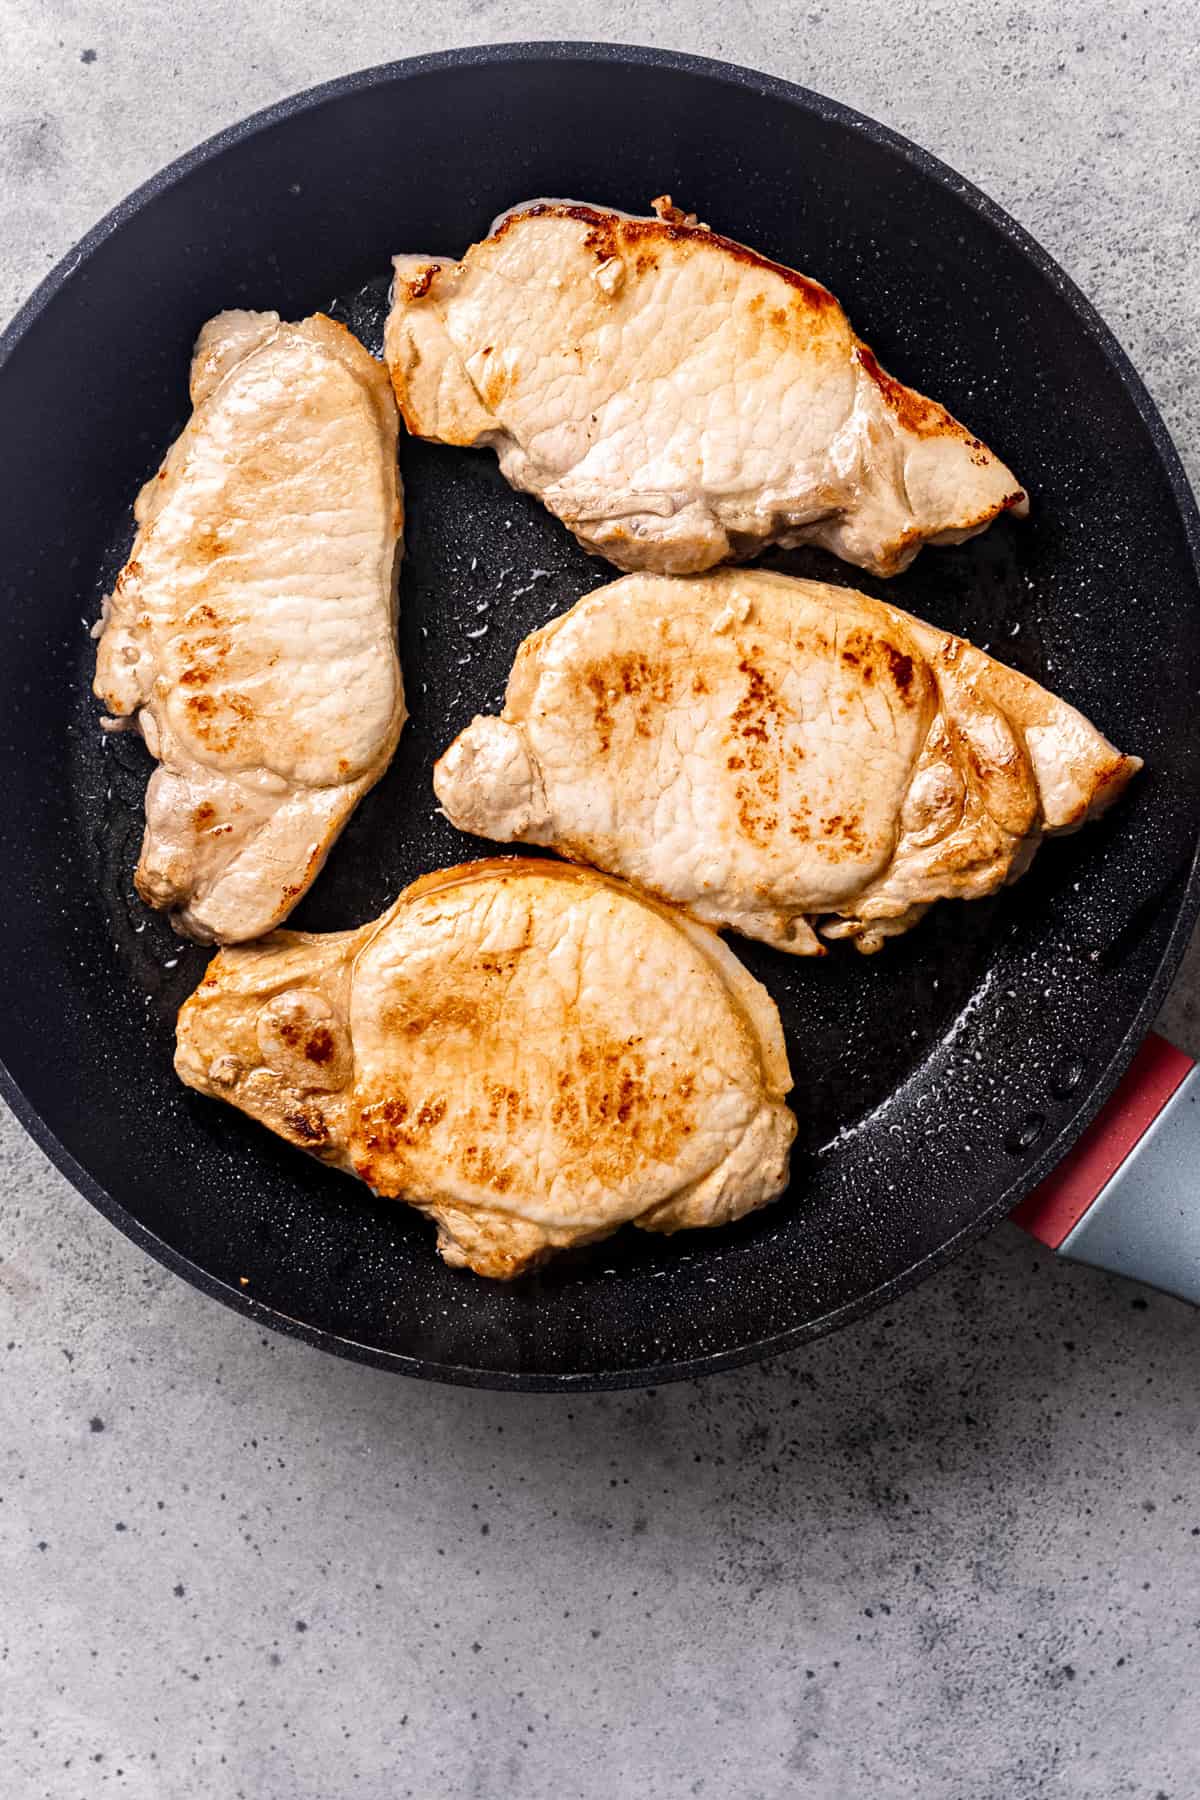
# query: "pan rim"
925,165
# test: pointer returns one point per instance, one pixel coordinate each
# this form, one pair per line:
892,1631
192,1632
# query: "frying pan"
936,1083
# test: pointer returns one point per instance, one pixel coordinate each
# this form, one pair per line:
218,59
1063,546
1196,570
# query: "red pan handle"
1127,1197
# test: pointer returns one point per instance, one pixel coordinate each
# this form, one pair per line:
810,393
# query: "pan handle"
1127,1197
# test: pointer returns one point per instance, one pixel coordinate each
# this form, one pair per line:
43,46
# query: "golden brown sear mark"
485,1167
389,1125
608,235
307,1124
757,792
759,827
913,411
599,690
869,655
612,1113
315,1042
901,666
421,282
208,542
507,1101
204,652
634,676
218,723
757,703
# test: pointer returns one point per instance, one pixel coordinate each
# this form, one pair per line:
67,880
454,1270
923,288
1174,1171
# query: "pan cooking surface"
932,1081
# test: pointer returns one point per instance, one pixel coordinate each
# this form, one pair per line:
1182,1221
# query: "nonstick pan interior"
933,1082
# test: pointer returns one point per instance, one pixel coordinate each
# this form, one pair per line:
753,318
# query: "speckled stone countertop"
951,1554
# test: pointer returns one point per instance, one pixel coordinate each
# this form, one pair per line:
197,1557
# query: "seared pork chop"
529,1053
778,756
251,634
676,399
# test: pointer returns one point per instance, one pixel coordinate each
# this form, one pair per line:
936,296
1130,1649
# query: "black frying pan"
934,1083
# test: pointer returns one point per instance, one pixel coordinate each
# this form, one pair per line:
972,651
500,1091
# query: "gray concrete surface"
951,1555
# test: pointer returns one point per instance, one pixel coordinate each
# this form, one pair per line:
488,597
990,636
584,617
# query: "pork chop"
778,756
251,634
530,1054
676,399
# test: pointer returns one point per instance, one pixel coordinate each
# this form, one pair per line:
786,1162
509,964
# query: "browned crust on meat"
421,283
914,412
609,232
1105,789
